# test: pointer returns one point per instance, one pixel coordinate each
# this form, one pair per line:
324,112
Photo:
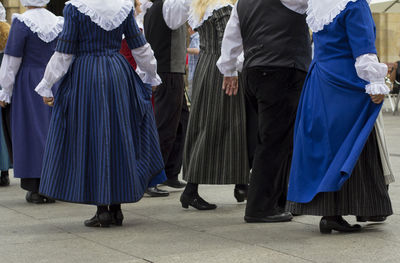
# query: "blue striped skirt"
102,146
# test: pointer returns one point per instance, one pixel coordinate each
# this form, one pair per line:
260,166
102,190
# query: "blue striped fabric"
103,144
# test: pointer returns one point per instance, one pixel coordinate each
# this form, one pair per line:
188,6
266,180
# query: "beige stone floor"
159,230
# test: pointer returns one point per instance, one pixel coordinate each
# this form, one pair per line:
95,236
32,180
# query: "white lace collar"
42,22
195,21
105,13
322,12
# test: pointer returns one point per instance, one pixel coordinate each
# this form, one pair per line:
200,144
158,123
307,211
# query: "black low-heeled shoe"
4,179
36,198
117,218
99,220
240,195
197,202
376,219
339,224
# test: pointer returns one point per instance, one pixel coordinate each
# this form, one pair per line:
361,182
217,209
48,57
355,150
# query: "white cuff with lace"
146,65
8,71
56,69
370,69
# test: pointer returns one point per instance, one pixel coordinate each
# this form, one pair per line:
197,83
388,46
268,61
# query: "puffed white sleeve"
232,47
146,65
371,70
56,69
176,12
8,71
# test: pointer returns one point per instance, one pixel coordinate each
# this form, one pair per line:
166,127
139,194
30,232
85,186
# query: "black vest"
273,35
169,45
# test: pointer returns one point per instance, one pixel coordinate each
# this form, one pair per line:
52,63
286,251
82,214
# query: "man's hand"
377,99
3,104
230,85
48,101
154,88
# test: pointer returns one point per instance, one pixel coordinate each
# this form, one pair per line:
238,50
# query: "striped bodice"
212,31
81,36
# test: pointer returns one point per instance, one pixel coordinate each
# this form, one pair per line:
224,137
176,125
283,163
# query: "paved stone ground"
159,230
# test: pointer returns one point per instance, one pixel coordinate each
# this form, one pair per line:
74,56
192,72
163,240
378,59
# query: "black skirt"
364,194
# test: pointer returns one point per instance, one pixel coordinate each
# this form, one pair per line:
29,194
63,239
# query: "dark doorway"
56,6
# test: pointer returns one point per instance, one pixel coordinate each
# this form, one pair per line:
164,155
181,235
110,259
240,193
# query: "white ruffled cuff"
4,96
377,88
43,89
148,79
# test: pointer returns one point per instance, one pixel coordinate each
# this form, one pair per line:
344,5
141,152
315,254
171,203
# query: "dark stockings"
191,189
104,208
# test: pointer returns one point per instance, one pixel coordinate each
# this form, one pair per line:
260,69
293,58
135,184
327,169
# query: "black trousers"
172,115
272,96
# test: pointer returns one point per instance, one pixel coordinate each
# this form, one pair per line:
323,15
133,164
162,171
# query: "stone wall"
388,36
12,6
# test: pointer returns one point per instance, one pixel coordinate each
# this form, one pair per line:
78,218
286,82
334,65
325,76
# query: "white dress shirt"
232,44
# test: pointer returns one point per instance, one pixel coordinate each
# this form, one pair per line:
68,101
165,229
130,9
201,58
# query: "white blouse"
8,71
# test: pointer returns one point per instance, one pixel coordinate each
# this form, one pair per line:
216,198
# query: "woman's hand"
48,101
3,104
377,99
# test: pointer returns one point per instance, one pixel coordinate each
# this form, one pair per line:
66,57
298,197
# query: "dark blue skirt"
103,143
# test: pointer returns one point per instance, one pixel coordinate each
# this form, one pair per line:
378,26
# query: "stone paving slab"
160,230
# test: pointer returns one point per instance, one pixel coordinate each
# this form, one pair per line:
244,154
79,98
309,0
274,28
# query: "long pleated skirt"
103,143
215,148
365,193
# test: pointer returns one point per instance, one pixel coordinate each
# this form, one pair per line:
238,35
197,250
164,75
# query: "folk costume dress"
336,168
30,45
5,160
103,144
215,148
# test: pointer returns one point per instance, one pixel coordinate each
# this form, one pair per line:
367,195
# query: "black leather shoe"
99,220
280,217
36,198
117,217
376,219
175,183
240,195
326,225
4,179
197,202
155,192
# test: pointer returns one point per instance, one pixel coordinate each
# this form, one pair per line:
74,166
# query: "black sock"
4,173
115,207
102,209
191,189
